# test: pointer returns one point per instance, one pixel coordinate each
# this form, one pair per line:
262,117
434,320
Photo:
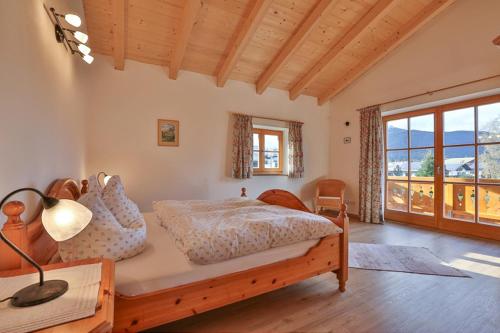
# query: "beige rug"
408,259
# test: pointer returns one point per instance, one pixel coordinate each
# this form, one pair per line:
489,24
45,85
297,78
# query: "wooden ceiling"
309,47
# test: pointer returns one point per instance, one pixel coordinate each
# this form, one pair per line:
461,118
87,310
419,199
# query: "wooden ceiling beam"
118,15
189,14
371,15
241,38
293,44
403,33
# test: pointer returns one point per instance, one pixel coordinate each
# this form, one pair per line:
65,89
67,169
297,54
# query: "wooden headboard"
31,237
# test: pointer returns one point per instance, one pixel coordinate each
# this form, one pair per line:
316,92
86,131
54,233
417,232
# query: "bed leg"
343,272
342,281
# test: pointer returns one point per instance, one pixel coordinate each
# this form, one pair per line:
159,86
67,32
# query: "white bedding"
213,231
161,265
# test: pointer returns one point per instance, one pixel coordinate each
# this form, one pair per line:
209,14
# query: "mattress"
211,231
162,265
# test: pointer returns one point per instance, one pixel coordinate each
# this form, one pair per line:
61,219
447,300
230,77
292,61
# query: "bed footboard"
145,311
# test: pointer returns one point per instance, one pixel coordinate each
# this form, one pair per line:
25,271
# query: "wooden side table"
102,321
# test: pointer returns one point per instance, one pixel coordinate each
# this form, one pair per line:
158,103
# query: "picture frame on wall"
168,133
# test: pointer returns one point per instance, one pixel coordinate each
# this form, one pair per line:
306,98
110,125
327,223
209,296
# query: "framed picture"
168,133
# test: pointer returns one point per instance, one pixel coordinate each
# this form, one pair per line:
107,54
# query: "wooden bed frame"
149,310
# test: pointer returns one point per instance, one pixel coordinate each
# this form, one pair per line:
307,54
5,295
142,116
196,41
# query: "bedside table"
102,321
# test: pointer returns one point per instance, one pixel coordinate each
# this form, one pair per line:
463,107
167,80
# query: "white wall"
41,103
454,47
121,137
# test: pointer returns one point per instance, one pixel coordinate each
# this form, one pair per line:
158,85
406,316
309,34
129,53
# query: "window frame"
261,170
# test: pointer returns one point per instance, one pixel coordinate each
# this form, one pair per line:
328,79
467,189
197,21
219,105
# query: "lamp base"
36,294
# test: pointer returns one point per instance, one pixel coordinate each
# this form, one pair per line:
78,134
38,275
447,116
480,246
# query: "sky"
456,120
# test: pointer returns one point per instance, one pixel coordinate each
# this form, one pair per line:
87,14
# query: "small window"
267,151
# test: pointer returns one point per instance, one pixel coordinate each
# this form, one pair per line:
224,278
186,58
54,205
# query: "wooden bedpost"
85,186
17,232
243,192
343,272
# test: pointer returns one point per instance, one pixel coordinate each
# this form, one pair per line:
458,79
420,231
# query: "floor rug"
408,259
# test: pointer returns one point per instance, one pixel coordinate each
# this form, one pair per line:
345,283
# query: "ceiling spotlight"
88,58
73,19
84,49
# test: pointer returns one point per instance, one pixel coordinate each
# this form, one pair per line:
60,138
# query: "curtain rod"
267,118
437,90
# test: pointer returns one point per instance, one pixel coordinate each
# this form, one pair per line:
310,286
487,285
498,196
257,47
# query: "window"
267,151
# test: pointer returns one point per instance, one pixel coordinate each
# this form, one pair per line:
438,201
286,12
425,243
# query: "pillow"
104,236
94,185
115,198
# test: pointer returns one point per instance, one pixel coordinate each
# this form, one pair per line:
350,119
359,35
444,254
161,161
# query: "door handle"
439,171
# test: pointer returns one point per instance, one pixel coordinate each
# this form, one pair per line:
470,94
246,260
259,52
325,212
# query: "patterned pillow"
104,236
94,185
115,198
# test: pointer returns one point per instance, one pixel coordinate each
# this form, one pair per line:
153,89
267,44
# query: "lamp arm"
12,245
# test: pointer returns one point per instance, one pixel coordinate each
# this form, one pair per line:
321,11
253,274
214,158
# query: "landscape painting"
168,132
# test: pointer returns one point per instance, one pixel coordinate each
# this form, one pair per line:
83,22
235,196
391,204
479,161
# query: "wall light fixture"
61,33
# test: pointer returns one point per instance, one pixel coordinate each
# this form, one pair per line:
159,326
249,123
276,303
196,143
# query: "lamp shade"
65,219
88,58
73,19
84,49
81,37
106,179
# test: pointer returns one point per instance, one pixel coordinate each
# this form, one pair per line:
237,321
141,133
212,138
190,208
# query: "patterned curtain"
295,153
371,166
242,147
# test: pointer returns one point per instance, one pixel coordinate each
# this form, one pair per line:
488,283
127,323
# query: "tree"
398,171
427,166
489,160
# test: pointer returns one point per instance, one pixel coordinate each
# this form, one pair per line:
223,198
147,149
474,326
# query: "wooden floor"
377,301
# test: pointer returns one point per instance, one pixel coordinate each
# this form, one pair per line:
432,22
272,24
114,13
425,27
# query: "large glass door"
410,184
471,168
443,167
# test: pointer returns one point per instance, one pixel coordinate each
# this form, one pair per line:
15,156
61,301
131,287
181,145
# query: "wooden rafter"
374,13
189,15
118,14
293,43
426,14
241,38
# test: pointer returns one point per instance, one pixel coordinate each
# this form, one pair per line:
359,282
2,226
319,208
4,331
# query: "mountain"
424,138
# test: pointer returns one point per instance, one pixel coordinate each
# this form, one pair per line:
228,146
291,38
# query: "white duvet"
213,231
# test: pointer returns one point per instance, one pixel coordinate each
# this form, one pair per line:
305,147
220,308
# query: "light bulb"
88,58
84,49
81,37
66,219
73,19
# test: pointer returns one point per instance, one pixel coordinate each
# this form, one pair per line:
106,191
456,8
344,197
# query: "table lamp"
62,219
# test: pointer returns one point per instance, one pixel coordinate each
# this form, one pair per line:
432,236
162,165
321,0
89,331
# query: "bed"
147,298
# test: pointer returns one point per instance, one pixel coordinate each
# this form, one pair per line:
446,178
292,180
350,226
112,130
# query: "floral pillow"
124,209
94,185
104,236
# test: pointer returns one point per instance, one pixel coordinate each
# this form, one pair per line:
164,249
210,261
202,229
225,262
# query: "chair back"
330,188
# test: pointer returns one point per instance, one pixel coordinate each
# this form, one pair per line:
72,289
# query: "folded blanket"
213,231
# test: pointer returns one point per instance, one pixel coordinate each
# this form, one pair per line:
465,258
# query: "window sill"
270,174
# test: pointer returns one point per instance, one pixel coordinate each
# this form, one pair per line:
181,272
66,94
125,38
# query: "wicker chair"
329,194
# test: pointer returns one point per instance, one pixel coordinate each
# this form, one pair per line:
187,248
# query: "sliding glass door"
443,167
